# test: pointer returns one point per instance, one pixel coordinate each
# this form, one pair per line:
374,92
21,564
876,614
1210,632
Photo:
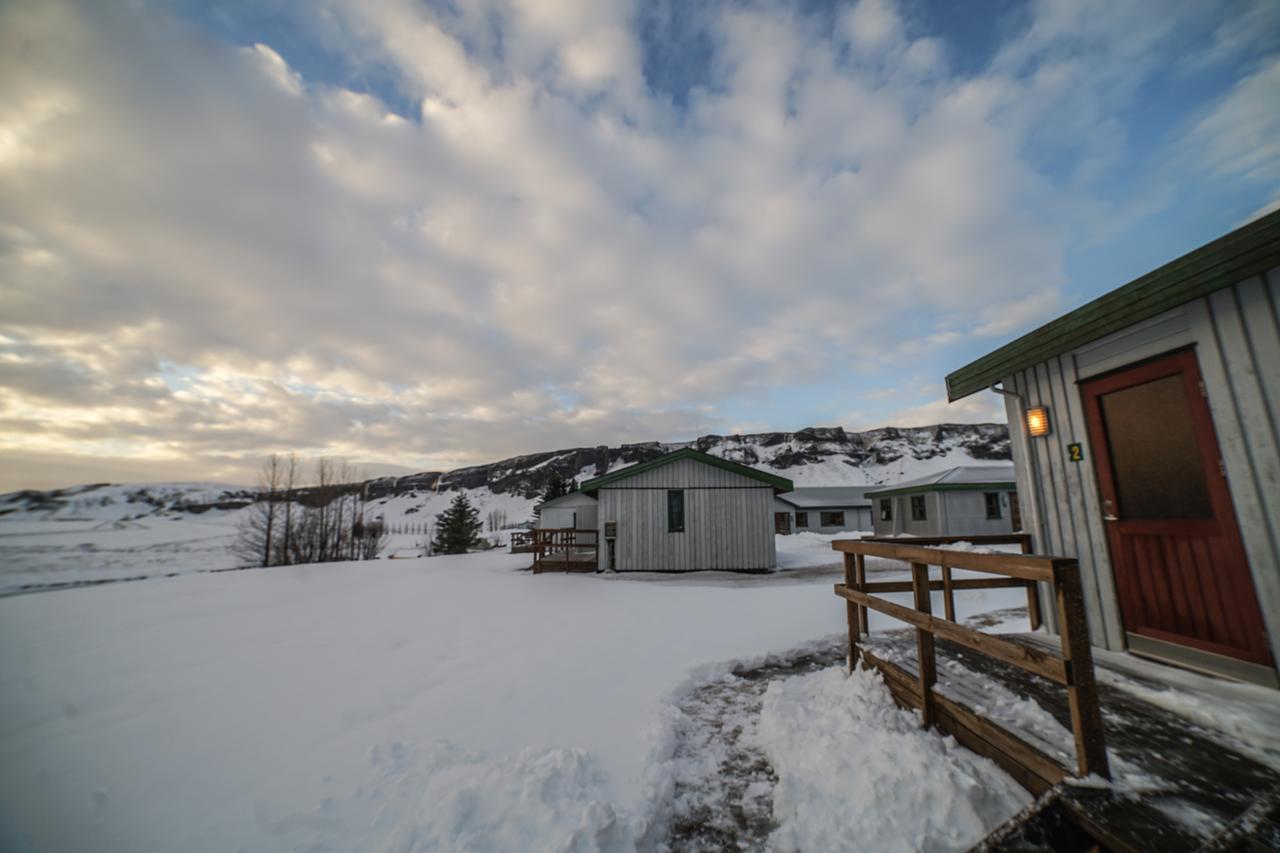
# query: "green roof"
1245,252
780,483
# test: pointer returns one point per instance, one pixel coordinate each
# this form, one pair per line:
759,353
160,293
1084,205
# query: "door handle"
1110,518
1108,511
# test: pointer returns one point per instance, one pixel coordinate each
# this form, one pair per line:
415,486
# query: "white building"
574,511
1146,431
685,511
967,501
822,509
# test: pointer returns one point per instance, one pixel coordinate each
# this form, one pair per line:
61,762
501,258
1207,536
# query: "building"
685,511
970,500
1146,435
822,509
574,511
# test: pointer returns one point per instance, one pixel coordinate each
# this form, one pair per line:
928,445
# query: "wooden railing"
1073,669
1022,540
521,541
564,549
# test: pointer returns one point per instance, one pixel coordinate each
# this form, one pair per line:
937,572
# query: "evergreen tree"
556,487
458,528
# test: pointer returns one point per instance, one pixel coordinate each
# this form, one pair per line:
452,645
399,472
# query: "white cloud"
543,253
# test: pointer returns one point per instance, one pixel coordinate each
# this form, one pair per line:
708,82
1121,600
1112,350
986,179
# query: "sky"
421,235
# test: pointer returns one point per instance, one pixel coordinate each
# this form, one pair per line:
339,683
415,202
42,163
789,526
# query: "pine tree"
556,487
457,528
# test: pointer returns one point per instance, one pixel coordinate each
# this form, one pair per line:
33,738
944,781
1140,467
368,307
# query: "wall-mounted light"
1038,421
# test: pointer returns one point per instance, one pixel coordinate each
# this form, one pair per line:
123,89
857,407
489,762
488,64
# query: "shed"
574,511
822,509
686,511
971,500
1146,434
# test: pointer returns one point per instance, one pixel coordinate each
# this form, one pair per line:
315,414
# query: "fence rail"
1022,540
564,549
1073,668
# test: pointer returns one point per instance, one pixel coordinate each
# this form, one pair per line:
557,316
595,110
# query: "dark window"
993,504
832,519
886,509
917,508
675,511
802,520
1159,469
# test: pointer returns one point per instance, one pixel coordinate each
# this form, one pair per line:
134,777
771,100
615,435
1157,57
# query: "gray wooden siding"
1236,336
856,518
728,520
949,513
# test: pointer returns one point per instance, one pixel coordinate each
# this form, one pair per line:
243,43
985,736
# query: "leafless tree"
497,520
255,542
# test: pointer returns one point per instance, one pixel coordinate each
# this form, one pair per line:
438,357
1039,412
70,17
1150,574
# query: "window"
802,520
832,519
917,508
993,505
886,509
675,511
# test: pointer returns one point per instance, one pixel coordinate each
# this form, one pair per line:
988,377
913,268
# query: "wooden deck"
1192,771
1178,786
564,550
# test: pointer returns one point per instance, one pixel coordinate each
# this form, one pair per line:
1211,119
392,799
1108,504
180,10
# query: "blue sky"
423,235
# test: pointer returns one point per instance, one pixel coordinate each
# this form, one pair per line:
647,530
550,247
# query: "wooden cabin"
822,509
686,511
971,500
1146,437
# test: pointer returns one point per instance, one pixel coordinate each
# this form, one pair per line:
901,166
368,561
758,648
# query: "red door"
1180,568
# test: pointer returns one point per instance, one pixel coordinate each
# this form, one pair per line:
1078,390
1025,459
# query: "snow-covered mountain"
819,456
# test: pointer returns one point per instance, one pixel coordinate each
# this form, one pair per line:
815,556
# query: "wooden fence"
564,549
1022,540
1073,669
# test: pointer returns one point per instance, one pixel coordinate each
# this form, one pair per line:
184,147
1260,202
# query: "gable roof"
1245,252
963,478
779,483
815,497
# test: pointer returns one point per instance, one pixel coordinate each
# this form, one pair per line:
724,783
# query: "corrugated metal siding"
1236,335
728,520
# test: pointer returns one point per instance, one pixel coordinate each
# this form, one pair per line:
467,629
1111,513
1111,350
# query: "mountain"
818,456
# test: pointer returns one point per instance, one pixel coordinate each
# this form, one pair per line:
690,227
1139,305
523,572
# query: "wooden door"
1180,568
782,523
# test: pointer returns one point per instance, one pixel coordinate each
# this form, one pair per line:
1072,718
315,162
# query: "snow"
331,704
857,772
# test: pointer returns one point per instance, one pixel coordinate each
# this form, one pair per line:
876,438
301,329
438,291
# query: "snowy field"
444,703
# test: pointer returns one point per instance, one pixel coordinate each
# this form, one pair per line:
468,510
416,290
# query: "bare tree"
497,520
255,536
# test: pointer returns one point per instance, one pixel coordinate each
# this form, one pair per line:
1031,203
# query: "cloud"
206,254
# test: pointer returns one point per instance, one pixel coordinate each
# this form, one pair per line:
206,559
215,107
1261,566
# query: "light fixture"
1038,421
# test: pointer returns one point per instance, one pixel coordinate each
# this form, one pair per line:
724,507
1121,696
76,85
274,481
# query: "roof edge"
1247,251
942,487
779,483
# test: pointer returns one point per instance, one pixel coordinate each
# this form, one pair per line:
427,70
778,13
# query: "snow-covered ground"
443,703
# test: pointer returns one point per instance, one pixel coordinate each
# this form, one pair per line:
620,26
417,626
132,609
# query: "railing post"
1033,605
948,594
860,568
1082,689
925,662
851,612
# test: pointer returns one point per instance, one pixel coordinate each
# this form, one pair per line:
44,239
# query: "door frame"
1186,651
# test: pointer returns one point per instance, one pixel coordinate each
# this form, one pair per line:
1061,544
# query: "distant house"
822,509
680,512
964,501
574,511
1146,430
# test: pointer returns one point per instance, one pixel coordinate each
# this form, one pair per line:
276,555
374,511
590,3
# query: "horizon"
423,237
366,474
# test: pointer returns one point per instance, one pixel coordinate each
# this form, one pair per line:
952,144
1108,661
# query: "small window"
917,508
886,509
802,519
832,519
675,511
993,505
